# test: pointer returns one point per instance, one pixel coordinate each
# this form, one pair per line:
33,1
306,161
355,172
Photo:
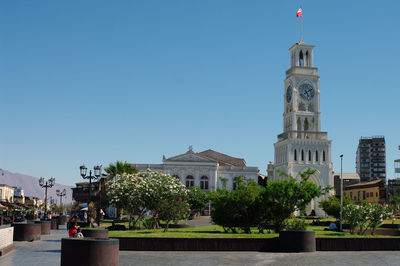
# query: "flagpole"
301,28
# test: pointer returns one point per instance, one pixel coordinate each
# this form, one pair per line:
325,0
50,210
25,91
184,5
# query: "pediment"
189,157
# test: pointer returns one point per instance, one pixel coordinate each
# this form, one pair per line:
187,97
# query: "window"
189,181
363,195
302,155
371,194
359,195
351,194
316,156
376,194
295,155
204,182
323,156
309,156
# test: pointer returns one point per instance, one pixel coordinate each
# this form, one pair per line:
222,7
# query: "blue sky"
99,81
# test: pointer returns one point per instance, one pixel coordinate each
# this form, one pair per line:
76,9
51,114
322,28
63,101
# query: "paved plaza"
48,252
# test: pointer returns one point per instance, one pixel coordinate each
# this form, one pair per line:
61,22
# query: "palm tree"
120,168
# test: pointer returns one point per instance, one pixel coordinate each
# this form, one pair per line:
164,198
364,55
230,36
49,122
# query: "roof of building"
373,183
223,159
348,175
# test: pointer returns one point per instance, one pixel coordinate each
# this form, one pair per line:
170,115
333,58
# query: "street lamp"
341,193
61,194
46,184
97,173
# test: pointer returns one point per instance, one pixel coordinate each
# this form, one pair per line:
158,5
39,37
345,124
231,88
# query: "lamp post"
61,194
341,192
46,184
97,173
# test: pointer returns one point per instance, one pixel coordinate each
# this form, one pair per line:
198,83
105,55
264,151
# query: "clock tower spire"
302,144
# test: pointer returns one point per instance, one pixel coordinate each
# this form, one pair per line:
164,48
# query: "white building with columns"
204,169
302,144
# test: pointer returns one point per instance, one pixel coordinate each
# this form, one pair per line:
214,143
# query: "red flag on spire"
299,13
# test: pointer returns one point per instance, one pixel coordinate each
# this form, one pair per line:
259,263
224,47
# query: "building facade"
348,179
204,169
373,192
302,144
6,193
371,158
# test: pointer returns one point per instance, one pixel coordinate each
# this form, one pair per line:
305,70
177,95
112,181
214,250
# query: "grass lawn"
218,232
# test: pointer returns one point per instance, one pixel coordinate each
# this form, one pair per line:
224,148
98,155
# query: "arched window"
295,155
302,155
316,156
177,177
307,61
323,156
309,156
204,182
189,181
306,124
301,59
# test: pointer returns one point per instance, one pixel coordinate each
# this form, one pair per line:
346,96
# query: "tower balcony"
302,71
309,135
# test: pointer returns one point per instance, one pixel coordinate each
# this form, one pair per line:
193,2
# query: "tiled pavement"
47,252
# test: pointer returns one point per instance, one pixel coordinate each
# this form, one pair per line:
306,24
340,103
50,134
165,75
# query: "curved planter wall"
96,233
297,241
27,231
45,226
89,251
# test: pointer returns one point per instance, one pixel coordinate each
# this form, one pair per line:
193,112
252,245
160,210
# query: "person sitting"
332,227
78,233
72,226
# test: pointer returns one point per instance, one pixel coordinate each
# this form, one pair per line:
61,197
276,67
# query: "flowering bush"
351,215
138,193
129,193
378,214
365,216
163,193
172,210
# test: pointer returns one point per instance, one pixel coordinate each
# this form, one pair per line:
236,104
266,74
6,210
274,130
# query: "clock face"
307,92
289,94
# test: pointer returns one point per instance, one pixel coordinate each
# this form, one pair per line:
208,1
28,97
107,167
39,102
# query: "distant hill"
30,185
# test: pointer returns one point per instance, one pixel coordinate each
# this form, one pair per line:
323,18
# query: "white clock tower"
302,144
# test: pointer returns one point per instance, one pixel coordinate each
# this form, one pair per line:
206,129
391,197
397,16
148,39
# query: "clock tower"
302,144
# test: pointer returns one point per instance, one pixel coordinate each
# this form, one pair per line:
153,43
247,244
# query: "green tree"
332,205
197,199
241,208
120,168
287,195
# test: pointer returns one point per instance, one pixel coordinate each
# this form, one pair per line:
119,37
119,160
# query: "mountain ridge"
30,185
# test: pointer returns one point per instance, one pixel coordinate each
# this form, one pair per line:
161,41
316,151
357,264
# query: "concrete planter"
89,251
45,226
54,224
27,231
297,241
62,220
6,239
95,233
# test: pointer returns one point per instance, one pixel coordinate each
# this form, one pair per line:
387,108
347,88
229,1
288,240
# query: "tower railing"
311,135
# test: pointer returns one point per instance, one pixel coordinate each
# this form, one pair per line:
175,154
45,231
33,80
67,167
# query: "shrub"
296,225
240,208
351,215
378,214
332,205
